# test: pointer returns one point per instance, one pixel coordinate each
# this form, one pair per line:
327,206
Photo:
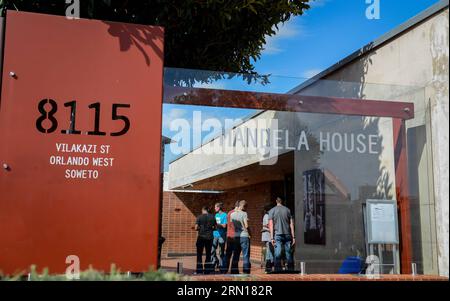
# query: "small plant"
93,275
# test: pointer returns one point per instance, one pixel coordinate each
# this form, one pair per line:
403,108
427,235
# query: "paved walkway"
189,266
259,275
318,278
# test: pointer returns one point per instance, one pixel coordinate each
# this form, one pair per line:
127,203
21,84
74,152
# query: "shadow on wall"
376,182
140,36
350,84
350,81
354,179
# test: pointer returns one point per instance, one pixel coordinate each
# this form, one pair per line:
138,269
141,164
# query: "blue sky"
328,32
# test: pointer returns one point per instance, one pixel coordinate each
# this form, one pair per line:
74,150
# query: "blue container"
352,265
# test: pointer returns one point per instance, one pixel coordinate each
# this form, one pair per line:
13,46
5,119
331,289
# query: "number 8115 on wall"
49,107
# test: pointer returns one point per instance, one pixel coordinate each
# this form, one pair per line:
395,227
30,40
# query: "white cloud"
311,73
318,3
214,85
171,115
177,113
286,31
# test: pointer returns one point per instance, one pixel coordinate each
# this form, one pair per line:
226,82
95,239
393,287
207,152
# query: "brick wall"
178,220
180,211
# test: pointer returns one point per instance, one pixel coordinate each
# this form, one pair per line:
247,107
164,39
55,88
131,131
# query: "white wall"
416,64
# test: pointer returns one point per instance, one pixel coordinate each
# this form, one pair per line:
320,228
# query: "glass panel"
324,166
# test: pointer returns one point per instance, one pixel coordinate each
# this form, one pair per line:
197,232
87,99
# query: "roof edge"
414,21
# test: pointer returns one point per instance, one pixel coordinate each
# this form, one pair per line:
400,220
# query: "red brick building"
180,209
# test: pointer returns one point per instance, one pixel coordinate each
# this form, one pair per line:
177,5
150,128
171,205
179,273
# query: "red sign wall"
80,135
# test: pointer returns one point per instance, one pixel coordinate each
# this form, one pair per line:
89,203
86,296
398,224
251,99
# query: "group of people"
223,237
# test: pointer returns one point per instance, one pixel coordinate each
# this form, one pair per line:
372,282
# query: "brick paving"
170,264
318,278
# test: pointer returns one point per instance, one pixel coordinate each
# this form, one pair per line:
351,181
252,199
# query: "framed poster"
314,207
382,222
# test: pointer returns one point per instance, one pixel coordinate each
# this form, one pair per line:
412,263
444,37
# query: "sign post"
80,130
382,228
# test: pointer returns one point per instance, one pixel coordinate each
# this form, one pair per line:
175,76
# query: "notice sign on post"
80,151
382,222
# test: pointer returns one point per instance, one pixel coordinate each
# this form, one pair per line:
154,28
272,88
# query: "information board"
382,222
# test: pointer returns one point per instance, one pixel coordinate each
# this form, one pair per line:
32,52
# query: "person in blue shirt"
220,237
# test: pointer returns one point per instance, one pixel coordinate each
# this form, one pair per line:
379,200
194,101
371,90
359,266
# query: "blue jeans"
245,247
242,244
283,241
218,243
268,256
269,252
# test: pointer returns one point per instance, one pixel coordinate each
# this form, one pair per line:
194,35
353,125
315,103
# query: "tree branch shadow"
140,36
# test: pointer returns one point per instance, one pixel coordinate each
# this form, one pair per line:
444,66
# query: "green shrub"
93,275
